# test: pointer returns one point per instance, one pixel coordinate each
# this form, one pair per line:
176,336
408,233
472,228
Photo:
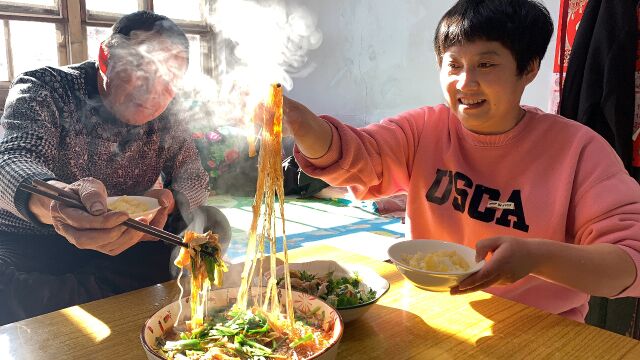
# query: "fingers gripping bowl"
434,265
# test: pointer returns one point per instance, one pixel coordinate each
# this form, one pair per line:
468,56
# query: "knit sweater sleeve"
606,205
374,161
183,168
28,148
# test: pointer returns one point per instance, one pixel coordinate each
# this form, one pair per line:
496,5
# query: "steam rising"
258,44
270,40
137,62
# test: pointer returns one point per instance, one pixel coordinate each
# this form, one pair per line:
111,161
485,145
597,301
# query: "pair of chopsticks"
70,199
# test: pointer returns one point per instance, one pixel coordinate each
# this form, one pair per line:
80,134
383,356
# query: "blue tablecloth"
307,221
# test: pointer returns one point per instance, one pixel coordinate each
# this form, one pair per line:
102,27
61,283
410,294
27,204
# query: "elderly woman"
96,129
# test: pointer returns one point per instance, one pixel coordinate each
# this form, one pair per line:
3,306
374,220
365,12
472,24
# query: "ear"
532,71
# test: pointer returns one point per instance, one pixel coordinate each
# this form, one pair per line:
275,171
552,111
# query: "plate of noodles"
252,321
232,334
247,322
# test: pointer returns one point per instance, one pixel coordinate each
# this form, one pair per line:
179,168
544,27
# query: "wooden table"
406,323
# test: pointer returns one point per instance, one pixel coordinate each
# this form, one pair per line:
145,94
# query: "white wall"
377,59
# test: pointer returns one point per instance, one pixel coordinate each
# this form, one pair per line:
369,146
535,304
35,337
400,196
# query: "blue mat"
308,220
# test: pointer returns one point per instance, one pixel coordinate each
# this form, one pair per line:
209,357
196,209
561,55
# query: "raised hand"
312,134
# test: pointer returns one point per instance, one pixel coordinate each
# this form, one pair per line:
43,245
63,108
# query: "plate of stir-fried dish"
348,288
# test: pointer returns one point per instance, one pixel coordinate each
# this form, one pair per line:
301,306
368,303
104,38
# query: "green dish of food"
339,291
349,289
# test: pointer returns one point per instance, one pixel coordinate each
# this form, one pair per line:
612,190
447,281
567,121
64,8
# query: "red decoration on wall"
103,57
572,11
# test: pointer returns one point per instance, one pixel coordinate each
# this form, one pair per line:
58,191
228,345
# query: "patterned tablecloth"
354,227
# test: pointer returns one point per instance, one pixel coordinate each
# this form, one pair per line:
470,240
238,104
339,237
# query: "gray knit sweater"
56,127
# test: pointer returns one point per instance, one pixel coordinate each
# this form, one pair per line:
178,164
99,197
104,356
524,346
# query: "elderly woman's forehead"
150,43
154,40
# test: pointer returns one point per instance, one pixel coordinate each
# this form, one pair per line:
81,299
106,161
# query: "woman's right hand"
312,134
94,228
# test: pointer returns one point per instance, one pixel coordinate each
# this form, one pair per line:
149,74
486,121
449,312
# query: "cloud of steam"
138,61
260,43
270,39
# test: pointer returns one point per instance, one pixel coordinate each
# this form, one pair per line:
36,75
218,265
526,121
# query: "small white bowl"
369,279
432,280
151,203
164,319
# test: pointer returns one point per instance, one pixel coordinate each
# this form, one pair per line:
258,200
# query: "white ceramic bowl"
432,280
163,320
369,279
151,203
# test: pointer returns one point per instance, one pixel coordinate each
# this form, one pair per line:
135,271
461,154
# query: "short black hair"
524,27
149,21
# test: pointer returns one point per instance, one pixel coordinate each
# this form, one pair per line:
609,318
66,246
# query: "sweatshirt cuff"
333,154
634,289
21,199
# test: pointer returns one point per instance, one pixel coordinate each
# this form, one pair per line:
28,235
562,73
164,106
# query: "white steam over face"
142,75
260,44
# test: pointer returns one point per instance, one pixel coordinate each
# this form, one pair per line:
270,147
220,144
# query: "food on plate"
269,185
247,334
337,291
257,329
129,205
205,270
438,261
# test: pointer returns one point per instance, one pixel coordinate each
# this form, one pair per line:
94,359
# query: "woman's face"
481,85
142,78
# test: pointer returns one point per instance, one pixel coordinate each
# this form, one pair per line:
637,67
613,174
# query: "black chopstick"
72,200
131,223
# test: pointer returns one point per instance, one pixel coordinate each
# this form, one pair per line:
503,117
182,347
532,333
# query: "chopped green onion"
224,331
191,344
303,339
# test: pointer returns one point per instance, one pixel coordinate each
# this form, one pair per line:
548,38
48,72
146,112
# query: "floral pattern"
220,149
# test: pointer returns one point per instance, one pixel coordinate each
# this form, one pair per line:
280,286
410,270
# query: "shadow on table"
394,340
545,335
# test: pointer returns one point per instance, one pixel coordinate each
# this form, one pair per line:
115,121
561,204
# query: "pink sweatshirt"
548,178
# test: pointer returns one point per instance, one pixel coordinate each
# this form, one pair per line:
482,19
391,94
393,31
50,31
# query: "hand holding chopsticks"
72,200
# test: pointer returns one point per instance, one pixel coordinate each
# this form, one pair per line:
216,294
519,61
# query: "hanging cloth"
599,87
571,12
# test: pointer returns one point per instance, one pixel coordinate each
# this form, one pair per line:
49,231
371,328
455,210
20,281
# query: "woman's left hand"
511,259
167,204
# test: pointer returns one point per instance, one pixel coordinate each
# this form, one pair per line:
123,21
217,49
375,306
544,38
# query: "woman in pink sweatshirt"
546,196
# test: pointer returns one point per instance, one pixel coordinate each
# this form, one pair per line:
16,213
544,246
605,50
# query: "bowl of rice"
136,206
434,265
